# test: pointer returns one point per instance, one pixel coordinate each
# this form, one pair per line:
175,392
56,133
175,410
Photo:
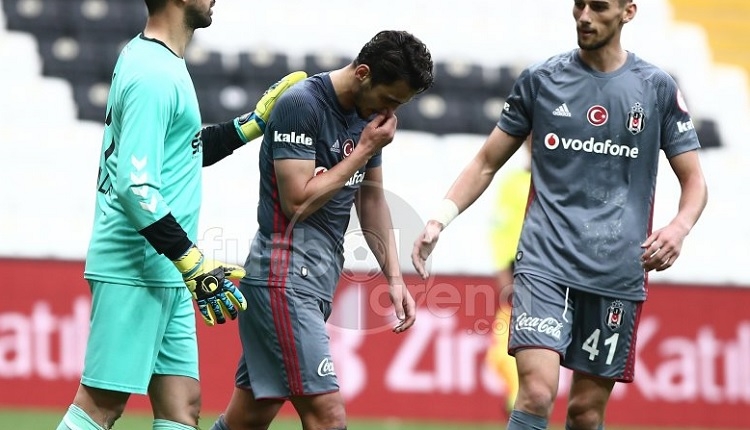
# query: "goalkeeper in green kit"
143,267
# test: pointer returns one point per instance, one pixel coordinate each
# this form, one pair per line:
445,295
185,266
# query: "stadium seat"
37,16
219,103
262,67
107,21
322,62
69,58
457,76
708,133
409,116
206,67
501,81
441,115
483,113
91,99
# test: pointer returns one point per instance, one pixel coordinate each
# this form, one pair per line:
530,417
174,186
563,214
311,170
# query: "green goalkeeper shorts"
138,332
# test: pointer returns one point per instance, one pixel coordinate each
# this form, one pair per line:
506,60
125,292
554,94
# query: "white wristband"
445,213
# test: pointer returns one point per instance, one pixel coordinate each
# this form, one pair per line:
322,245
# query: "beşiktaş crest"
615,312
636,119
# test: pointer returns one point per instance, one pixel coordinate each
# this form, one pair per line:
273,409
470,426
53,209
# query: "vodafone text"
607,147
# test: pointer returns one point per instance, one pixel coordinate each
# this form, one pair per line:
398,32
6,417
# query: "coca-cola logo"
548,326
325,368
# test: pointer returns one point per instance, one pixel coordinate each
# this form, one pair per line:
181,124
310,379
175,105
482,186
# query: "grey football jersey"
307,123
596,139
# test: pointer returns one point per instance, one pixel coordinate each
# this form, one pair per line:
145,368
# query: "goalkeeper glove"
208,282
253,124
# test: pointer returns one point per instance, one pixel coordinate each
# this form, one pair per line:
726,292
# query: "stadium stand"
725,23
79,41
69,48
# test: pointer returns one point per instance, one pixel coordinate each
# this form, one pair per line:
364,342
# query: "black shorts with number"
593,334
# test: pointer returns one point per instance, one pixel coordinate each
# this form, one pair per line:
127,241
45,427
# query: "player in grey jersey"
321,154
600,115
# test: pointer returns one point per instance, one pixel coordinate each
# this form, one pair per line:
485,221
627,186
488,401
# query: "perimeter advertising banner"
693,358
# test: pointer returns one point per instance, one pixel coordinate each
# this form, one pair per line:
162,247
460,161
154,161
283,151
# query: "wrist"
249,126
446,212
189,260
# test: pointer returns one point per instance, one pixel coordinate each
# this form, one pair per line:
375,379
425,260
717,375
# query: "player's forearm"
219,141
693,200
470,184
321,188
377,226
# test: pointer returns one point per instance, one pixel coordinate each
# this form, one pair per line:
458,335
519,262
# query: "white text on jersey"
591,145
292,138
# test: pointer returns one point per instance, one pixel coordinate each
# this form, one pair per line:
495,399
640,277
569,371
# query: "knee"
193,409
536,398
583,415
333,417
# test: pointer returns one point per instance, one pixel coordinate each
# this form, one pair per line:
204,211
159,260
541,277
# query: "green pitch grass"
44,419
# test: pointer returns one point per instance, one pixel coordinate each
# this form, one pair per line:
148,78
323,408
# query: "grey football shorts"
285,344
593,334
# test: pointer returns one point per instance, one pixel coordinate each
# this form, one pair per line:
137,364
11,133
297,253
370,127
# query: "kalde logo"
548,326
292,138
325,368
591,145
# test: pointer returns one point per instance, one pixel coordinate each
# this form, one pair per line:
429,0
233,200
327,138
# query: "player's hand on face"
662,248
404,305
379,132
423,246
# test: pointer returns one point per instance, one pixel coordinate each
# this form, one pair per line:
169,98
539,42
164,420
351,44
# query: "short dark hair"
397,55
155,5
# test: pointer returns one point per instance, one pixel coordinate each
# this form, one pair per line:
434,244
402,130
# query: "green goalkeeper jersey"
150,165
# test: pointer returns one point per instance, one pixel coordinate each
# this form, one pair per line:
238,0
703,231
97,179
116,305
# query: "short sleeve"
293,127
518,109
678,133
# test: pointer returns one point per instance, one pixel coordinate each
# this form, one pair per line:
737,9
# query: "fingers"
215,309
409,313
417,261
658,257
232,271
207,313
237,298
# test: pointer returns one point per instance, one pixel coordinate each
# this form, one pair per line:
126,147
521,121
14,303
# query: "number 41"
591,345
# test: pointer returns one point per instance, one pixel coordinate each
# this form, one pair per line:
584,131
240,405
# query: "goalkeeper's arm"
222,139
207,280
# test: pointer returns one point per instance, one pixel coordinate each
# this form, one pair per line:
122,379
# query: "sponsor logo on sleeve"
293,137
684,127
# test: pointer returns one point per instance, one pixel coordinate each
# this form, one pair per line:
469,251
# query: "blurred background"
56,59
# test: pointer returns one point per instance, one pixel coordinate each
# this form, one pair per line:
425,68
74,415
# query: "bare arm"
471,183
376,223
301,193
663,246
478,174
377,227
